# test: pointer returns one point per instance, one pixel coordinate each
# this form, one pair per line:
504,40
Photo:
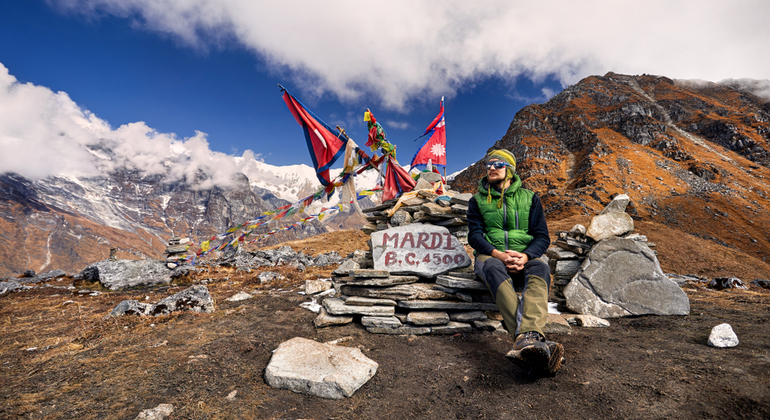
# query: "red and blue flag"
434,149
325,146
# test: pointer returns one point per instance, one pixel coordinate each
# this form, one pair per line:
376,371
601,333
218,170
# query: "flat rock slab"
608,225
621,277
378,281
428,318
380,321
363,301
400,292
566,268
451,328
468,316
403,330
459,283
558,253
336,306
367,273
125,274
446,304
468,275
328,371
421,249
325,320
461,198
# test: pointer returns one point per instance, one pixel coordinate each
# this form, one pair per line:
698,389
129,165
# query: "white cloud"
400,125
404,49
45,133
760,88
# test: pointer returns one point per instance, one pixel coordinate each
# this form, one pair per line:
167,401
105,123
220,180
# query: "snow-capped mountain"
67,221
296,182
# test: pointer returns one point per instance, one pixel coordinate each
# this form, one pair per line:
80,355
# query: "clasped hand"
514,261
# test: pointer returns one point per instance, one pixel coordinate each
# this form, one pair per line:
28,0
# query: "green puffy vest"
506,227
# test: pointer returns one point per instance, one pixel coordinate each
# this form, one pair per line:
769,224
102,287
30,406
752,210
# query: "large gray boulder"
125,274
195,298
622,277
308,367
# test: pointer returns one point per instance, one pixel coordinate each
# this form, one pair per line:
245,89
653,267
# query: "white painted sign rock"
422,249
323,370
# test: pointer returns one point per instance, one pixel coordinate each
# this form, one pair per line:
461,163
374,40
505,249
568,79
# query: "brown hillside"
693,157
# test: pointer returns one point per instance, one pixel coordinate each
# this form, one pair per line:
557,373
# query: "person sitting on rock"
508,231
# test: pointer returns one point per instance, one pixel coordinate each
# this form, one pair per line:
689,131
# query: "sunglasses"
497,164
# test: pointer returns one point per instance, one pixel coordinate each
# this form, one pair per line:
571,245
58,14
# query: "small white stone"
158,413
723,336
239,296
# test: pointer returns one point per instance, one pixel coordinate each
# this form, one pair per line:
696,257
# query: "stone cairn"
176,249
569,251
440,296
423,206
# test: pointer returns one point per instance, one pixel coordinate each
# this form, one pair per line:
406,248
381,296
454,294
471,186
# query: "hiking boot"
556,360
530,352
527,339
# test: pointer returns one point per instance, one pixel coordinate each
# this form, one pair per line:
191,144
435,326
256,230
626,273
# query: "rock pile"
568,253
402,305
282,256
417,276
619,275
176,250
195,298
423,205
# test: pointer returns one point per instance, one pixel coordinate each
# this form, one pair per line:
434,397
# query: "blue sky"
214,67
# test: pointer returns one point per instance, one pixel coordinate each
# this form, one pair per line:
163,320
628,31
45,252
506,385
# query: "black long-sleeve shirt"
537,228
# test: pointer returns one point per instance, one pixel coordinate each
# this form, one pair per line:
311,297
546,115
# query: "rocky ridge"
692,156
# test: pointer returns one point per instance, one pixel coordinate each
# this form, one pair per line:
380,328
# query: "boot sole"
535,357
556,361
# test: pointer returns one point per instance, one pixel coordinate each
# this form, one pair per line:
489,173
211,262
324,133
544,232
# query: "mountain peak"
691,155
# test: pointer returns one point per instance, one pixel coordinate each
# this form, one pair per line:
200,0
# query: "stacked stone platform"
386,303
417,277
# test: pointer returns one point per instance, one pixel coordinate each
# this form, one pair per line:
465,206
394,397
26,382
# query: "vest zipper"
505,221
517,221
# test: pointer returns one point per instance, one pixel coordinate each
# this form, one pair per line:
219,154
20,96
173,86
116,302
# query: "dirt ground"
86,365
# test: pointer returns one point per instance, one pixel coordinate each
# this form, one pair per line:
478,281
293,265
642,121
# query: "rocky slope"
694,156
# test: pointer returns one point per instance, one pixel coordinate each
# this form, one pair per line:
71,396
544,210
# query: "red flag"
325,147
434,149
397,181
